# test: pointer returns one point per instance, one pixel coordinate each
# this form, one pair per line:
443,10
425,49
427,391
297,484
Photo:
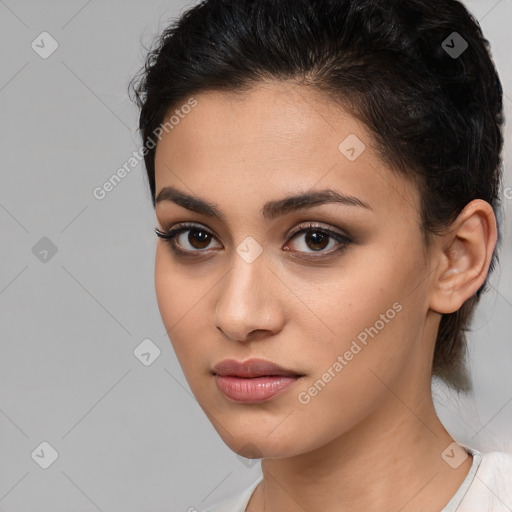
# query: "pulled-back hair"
435,116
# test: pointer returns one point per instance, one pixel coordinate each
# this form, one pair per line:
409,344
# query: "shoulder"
496,467
237,502
493,458
491,489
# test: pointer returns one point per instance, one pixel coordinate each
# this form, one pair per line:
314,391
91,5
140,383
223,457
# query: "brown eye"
317,238
187,239
198,239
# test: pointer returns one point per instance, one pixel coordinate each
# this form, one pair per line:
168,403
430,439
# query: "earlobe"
464,257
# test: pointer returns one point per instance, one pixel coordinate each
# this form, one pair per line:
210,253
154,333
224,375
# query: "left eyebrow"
270,210
274,209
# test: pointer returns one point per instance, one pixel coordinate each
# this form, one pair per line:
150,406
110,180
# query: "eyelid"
169,235
344,241
310,225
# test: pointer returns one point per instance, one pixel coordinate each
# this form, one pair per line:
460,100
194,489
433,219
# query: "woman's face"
350,315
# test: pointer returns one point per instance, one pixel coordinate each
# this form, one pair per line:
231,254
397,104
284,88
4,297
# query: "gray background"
131,437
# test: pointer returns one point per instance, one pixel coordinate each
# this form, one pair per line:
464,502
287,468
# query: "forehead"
281,119
276,139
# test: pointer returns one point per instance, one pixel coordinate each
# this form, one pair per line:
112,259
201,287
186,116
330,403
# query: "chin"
258,445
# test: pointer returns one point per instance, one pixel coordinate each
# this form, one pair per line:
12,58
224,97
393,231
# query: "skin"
373,425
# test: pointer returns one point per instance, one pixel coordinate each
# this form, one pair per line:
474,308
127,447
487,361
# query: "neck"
390,461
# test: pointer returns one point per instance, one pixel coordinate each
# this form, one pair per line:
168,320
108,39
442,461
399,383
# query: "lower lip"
254,390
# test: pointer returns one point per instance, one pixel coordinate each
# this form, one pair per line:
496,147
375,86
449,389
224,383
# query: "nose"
248,306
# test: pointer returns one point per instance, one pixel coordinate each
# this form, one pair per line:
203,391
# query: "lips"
251,368
252,381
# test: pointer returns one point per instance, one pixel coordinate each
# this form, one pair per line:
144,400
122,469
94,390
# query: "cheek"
164,289
350,375
371,314
182,300
177,292
174,301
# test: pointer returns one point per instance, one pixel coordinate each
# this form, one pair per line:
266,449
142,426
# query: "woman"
325,176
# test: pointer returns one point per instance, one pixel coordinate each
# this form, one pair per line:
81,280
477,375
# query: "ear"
464,257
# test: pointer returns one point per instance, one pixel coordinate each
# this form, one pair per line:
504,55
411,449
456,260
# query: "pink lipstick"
252,381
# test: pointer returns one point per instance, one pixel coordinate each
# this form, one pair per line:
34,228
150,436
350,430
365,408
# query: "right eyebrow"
305,200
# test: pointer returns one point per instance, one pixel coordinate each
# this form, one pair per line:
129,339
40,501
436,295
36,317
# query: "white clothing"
486,488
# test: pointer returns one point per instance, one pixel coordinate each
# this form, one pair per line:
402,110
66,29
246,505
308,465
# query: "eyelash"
169,237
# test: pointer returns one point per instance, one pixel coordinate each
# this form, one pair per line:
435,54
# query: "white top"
486,488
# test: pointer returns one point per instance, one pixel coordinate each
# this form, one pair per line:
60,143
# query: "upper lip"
251,368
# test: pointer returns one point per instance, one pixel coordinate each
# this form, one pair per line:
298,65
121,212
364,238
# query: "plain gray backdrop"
76,281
